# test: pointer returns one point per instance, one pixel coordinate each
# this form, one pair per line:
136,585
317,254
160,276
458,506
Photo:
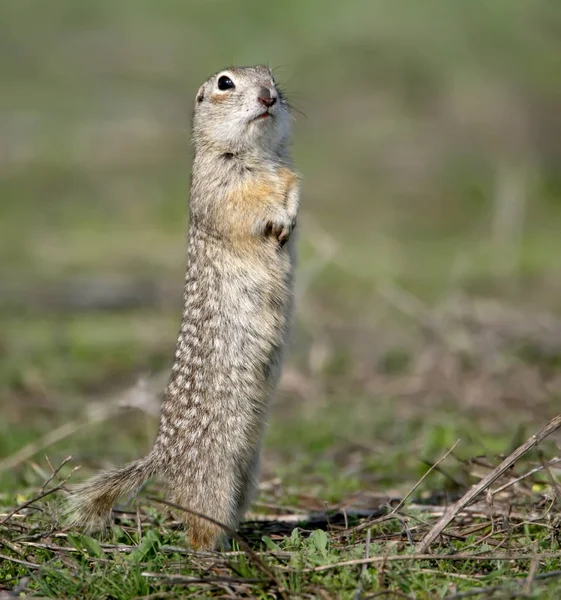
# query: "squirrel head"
241,109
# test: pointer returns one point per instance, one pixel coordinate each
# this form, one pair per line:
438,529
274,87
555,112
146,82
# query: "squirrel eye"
225,83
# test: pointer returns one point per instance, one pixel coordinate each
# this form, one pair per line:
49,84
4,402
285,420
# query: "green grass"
415,117
144,555
318,466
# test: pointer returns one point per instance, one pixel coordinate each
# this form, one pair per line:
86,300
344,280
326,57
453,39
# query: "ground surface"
428,307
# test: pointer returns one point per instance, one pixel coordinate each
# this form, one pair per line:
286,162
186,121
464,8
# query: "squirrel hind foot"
204,535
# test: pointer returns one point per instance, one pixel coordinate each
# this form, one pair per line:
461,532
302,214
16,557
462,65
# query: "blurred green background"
429,139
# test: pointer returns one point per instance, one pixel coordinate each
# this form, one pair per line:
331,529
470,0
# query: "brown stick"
427,473
40,496
485,483
431,557
253,556
24,563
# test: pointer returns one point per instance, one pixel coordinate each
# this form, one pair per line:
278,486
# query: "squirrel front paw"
280,228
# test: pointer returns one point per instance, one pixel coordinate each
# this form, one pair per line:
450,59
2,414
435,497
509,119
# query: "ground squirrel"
238,299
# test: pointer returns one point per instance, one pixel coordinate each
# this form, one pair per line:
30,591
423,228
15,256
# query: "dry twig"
425,475
432,557
40,496
485,483
250,553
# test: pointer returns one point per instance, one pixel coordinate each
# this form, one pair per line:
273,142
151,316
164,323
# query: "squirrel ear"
200,94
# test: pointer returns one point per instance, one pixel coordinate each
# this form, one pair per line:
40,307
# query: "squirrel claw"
280,230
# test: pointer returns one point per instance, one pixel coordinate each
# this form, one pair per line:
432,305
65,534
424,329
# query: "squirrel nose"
267,96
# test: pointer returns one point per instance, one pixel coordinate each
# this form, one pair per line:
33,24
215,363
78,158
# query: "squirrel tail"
89,504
